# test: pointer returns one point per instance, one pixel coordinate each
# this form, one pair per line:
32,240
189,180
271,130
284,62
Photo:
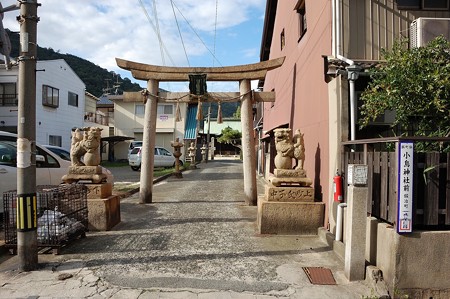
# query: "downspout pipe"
336,28
340,221
353,72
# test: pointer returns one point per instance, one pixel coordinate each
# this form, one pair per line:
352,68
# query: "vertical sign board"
405,186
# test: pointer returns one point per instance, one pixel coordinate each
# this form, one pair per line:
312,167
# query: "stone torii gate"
154,74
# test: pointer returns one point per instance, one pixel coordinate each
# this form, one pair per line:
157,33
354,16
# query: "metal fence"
431,179
62,215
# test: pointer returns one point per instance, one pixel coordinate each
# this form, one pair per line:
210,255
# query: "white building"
60,102
129,122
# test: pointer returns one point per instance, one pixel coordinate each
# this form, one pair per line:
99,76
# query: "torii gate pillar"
148,143
248,143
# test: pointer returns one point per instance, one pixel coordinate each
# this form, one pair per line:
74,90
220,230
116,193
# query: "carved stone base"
290,173
103,214
99,190
292,181
84,173
299,218
289,194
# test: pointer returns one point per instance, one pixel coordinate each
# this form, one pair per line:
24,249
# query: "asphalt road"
125,174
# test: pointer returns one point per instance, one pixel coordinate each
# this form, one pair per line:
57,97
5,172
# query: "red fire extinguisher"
337,186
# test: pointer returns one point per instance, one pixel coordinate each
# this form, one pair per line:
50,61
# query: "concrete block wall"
415,264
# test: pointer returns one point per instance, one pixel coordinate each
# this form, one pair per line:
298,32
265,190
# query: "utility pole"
26,141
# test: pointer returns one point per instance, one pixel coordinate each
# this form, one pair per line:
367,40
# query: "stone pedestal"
99,190
288,206
289,194
285,218
85,173
103,213
103,207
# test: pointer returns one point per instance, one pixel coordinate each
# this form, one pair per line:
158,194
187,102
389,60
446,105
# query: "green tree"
230,136
237,114
415,83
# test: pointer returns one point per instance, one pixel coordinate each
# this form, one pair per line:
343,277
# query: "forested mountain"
96,78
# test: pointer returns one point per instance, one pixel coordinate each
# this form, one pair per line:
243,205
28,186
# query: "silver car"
163,158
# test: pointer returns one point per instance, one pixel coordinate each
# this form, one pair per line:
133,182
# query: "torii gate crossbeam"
242,73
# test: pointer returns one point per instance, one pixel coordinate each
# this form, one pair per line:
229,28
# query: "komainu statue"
85,156
288,149
86,142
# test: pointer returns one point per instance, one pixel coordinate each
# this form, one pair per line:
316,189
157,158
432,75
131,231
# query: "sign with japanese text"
405,186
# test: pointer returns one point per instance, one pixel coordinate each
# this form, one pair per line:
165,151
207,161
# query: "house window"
165,109
301,11
8,94
282,40
139,110
423,4
50,96
73,99
54,140
435,4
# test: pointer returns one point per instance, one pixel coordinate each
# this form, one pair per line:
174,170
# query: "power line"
155,13
197,34
156,31
179,31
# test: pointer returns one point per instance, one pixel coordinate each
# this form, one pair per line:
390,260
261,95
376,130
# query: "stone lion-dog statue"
85,142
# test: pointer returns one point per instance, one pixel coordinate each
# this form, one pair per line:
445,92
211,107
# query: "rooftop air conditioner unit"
424,30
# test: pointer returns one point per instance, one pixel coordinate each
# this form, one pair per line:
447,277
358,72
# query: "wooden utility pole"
26,141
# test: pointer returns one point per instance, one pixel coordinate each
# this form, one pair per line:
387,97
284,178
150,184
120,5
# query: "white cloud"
102,30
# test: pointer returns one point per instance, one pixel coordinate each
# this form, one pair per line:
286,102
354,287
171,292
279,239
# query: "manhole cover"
319,275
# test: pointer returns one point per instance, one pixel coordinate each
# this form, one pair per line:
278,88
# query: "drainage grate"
319,275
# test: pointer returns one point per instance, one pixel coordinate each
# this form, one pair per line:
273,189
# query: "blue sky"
102,30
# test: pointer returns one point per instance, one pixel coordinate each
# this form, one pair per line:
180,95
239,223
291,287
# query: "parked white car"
65,155
132,145
163,158
50,168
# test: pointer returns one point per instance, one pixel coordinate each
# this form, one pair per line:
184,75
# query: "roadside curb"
136,190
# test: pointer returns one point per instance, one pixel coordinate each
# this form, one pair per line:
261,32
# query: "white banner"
405,186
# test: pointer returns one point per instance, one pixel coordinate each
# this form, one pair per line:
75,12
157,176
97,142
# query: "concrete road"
196,240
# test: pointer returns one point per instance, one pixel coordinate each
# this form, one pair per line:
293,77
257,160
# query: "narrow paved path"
196,240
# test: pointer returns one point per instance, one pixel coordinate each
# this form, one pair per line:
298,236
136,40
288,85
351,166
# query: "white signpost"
405,186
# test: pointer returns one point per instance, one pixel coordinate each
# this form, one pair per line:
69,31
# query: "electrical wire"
179,31
156,31
198,36
155,13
